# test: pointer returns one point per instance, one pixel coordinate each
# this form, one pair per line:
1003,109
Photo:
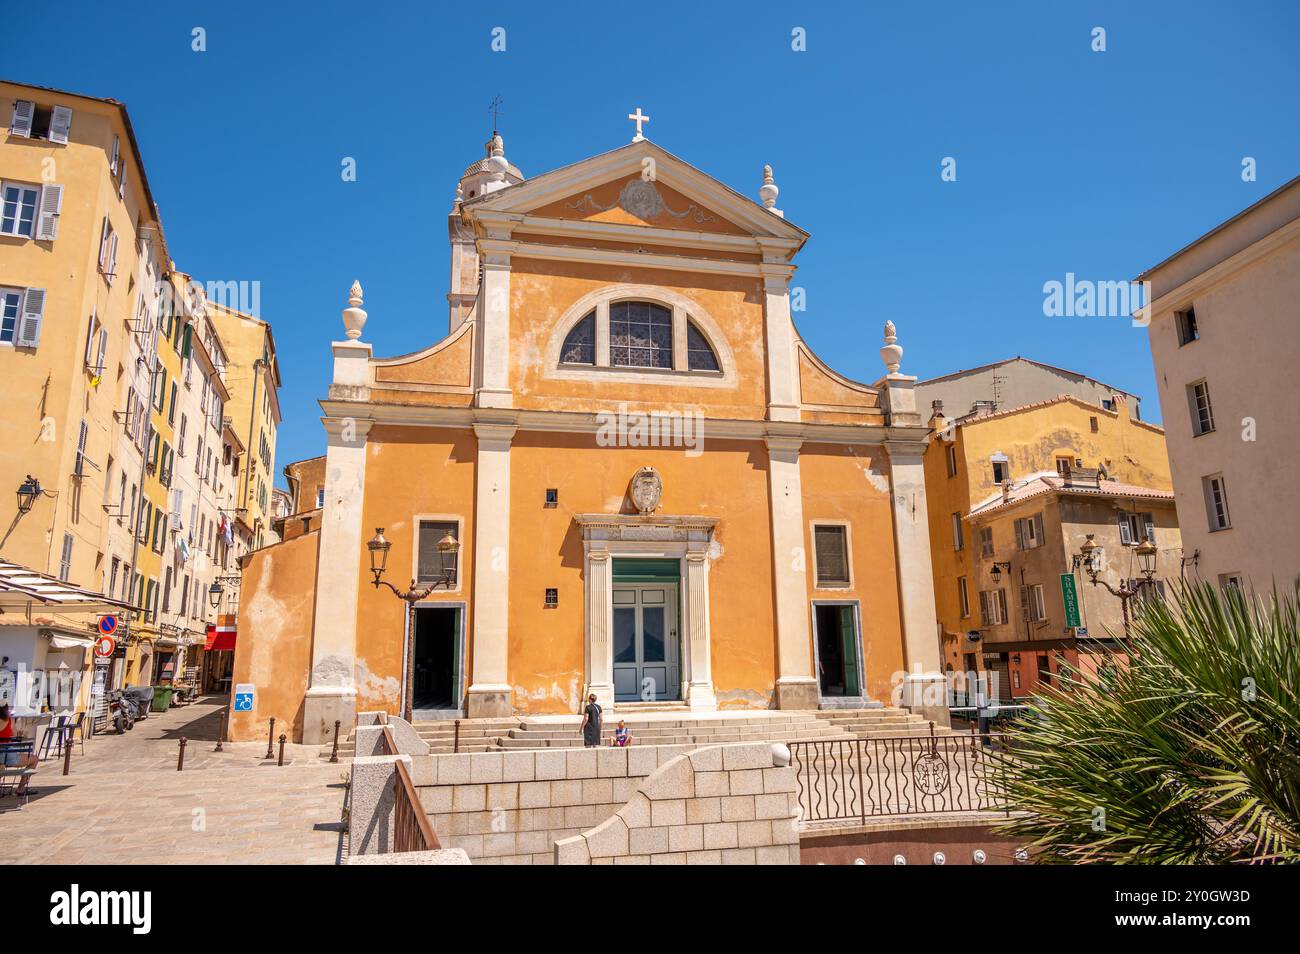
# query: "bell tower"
485,176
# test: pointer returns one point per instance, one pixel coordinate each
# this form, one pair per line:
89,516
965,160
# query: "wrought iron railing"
858,779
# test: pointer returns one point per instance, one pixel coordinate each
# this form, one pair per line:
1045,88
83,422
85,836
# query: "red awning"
220,637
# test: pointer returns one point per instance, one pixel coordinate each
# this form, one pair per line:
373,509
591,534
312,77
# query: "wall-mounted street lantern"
448,549
996,572
1127,589
28,491
214,594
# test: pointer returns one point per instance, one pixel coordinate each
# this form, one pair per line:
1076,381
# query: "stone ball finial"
769,191
354,317
892,352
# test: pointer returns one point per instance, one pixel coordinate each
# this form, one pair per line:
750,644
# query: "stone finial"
769,192
354,317
892,352
457,202
497,162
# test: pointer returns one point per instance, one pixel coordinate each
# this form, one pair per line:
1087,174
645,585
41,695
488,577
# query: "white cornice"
603,256
646,235
572,422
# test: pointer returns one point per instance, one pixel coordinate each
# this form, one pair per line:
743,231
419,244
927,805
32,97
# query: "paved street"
125,801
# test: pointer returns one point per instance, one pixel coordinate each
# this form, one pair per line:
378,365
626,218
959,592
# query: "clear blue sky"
1100,164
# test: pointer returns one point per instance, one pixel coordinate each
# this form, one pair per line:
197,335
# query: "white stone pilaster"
489,693
923,690
698,692
332,691
494,325
782,361
796,686
599,578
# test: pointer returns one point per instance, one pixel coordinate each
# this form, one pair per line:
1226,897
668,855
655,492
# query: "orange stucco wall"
273,651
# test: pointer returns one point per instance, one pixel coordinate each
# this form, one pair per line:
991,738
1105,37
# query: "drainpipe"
252,416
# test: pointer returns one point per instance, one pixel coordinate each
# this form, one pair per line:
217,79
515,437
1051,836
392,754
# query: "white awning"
20,586
69,642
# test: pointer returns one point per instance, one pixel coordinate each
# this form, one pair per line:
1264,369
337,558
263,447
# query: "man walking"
591,723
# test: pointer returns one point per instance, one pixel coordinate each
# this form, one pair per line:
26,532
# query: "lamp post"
448,548
1127,589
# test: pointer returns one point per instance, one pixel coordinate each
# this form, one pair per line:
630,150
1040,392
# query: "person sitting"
622,737
13,758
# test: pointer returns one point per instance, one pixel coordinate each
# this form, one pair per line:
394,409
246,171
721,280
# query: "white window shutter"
21,122
47,215
1125,532
104,231
117,155
1150,526
60,124
121,186
101,359
112,257
79,466
90,340
29,329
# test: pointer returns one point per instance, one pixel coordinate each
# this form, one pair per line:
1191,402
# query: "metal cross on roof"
494,108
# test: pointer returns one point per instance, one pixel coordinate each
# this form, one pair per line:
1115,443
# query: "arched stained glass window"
580,345
640,335
699,355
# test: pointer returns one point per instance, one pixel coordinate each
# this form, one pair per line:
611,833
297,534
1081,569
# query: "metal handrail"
411,828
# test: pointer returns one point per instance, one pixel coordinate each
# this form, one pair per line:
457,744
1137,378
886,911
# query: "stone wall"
512,807
733,804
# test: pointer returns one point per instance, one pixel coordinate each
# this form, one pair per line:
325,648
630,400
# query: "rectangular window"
986,543
18,215
993,607
429,568
1198,400
1187,330
320,497
65,559
1063,465
1032,607
1029,532
831,553
1216,502
950,453
640,335
11,307
963,597
958,538
1001,471
167,591
171,407
1135,528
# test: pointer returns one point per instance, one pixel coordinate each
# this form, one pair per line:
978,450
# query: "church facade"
621,472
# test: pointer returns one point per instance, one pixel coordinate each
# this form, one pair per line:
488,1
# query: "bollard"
334,752
67,755
270,740
221,732
281,748
456,742
180,758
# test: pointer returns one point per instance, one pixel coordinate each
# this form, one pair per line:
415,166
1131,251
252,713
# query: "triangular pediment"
639,184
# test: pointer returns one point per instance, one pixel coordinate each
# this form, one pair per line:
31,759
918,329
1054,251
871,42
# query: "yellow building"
979,465
81,247
253,376
622,472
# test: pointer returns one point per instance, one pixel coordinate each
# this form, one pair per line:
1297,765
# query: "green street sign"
1071,597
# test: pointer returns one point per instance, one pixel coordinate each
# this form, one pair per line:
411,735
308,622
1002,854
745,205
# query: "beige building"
1226,345
80,245
1016,382
253,374
1031,603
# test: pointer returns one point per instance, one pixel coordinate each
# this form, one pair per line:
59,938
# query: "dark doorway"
837,650
436,665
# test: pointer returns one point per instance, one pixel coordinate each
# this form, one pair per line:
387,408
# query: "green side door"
849,649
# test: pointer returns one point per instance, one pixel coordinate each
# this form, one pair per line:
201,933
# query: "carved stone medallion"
647,488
